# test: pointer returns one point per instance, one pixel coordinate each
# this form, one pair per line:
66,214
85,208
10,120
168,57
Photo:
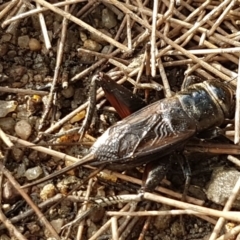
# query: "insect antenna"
85,160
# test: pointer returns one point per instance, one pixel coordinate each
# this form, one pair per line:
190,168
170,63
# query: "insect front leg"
122,99
91,107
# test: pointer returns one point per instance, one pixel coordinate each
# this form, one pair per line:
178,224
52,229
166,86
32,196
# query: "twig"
82,24
39,10
8,8
206,51
114,225
153,38
12,28
237,112
145,228
44,29
156,213
107,225
5,139
166,85
56,70
23,91
84,208
231,234
233,216
129,31
234,160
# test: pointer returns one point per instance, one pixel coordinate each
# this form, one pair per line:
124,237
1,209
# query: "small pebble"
7,124
17,72
97,215
108,18
57,224
17,154
34,45
221,184
92,45
3,49
33,173
9,192
83,36
163,222
23,41
68,92
78,117
33,227
23,129
6,37
7,107
21,170
176,229
47,192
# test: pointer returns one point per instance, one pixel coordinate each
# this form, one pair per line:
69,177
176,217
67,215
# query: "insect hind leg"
154,172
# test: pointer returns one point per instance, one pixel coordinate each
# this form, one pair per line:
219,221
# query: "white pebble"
33,173
47,192
108,18
7,107
23,129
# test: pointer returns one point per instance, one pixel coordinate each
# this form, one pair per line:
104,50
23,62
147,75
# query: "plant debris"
49,52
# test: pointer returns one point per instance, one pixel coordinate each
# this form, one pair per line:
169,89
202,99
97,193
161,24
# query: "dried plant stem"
231,234
82,24
23,91
84,208
233,216
8,8
129,31
39,10
5,139
237,112
206,51
44,29
12,28
166,85
157,213
107,224
234,160
114,224
56,70
153,39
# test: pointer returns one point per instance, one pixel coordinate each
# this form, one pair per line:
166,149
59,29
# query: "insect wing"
123,100
146,135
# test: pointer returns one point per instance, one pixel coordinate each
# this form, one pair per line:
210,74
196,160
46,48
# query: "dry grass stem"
237,112
39,10
82,24
232,216
150,45
44,30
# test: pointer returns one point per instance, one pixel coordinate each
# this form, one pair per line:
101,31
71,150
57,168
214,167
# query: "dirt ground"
49,54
